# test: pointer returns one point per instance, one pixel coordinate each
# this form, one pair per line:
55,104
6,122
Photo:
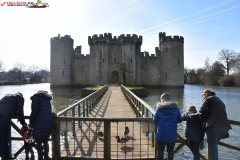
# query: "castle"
117,60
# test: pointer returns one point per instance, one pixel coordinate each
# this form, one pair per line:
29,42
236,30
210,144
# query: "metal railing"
84,142
84,107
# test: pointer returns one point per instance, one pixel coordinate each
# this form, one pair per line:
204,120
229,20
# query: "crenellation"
101,66
66,39
78,49
164,38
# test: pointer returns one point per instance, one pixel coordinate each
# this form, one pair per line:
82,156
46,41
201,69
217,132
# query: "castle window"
103,60
63,72
115,60
64,61
131,60
166,49
166,75
178,62
82,67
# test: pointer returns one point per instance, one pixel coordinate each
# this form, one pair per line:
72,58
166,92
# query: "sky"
208,26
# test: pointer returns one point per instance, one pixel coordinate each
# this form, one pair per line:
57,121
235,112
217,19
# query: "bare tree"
17,72
33,69
2,68
228,57
45,73
207,65
237,63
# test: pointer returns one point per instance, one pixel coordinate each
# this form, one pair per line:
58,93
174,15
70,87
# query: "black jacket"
193,129
41,115
213,112
11,106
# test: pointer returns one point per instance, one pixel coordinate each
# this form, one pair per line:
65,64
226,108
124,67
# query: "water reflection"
64,97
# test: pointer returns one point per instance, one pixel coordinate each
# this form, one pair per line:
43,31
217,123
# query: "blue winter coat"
41,115
11,106
166,117
193,129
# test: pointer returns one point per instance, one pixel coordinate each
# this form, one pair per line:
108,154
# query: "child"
193,131
166,118
27,134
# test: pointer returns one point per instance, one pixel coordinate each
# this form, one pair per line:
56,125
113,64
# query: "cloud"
205,10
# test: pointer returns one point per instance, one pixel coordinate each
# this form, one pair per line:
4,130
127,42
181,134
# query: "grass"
97,87
134,87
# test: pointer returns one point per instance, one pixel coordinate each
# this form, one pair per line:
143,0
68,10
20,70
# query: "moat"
189,95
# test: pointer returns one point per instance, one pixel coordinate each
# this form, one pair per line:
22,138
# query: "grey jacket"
213,112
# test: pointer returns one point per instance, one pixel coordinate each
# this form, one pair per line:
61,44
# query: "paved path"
112,105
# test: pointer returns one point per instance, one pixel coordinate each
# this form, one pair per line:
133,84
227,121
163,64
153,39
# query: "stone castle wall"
117,60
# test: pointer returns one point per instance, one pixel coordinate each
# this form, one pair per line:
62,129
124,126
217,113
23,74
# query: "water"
189,95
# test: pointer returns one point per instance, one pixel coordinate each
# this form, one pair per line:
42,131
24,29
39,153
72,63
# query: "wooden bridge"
109,109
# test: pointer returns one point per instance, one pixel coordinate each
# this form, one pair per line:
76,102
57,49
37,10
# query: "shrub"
227,81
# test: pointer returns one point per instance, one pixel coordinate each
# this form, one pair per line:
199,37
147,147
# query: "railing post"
107,140
79,112
87,105
73,115
65,135
10,142
55,137
84,108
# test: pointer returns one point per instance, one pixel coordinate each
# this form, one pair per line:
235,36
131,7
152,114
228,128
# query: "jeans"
4,137
43,149
194,146
161,148
213,137
29,149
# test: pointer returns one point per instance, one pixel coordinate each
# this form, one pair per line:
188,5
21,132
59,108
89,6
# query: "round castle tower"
61,60
171,60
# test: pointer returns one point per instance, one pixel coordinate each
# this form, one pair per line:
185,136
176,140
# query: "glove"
24,129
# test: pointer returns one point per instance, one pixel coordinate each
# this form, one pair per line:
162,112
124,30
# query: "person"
11,106
166,117
28,142
214,117
193,131
41,122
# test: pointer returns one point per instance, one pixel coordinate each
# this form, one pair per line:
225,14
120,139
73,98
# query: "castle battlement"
65,38
164,38
146,55
78,49
107,38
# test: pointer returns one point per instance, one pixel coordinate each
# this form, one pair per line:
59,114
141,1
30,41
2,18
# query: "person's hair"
192,109
165,96
209,92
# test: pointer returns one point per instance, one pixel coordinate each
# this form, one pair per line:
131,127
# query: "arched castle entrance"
115,77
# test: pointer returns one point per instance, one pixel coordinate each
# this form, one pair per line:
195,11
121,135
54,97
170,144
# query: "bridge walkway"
112,105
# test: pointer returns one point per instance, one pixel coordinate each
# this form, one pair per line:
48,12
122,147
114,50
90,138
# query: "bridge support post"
55,138
107,140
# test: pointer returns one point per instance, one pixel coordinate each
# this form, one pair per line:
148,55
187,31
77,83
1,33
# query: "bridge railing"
84,107
142,109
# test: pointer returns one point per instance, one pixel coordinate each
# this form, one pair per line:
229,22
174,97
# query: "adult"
166,117
41,121
11,106
214,117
